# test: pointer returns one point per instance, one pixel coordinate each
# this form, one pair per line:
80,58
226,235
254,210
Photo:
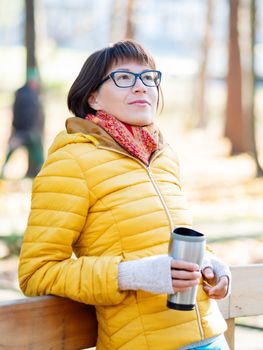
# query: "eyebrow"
129,70
126,69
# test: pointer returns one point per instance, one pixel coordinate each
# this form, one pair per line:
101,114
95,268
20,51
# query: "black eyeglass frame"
136,75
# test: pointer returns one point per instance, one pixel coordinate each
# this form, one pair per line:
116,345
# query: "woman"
110,192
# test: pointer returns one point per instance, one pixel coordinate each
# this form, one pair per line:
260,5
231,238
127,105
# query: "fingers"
218,291
184,265
185,275
183,285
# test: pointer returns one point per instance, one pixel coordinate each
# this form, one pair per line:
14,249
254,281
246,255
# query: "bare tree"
122,20
240,113
253,21
247,43
118,20
202,78
234,125
130,25
114,20
30,36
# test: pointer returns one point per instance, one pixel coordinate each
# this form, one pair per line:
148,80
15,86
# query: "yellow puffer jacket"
92,198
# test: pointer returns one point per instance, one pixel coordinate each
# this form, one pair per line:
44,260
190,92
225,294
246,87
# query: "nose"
139,86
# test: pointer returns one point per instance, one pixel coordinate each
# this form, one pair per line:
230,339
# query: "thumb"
208,273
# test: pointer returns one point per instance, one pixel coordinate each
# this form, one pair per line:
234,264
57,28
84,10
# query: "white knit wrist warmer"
219,267
151,274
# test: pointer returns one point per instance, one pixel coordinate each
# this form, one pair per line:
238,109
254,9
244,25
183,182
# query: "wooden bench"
58,323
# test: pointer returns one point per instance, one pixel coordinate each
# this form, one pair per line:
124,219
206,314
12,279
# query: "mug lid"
187,234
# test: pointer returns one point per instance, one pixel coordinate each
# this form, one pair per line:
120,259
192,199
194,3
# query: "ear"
93,101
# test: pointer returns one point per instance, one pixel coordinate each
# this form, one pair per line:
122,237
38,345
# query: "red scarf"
139,141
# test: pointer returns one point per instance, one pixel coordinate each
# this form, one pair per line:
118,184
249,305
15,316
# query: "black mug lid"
187,234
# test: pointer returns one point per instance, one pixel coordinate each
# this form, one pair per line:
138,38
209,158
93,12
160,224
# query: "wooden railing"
245,299
57,323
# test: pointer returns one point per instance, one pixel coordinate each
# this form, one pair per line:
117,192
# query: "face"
134,105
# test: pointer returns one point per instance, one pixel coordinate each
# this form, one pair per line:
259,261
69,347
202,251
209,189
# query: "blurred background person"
27,125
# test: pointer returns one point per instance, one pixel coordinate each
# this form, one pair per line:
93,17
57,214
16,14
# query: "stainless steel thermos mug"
188,245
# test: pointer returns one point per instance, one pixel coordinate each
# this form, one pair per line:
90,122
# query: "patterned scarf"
139,141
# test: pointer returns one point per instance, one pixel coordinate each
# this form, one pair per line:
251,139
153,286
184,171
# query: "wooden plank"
47,323
58,323
230,333
246,296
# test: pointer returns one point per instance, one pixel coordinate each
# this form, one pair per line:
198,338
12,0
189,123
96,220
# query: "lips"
139,102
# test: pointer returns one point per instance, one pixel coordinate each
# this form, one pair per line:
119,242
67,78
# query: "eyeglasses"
124,79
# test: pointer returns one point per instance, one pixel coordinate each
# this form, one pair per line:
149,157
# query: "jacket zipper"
150,174
171,224
171,230
199,321
155,185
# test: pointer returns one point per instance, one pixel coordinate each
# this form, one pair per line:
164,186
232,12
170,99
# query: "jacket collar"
78,125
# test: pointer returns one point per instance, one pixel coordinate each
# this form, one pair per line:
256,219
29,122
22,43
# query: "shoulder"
61,173
170,156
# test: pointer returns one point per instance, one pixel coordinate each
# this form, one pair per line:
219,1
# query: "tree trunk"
130,27
251,107
201,90
113,20
122,20
118,20
247,44
234,126
30,37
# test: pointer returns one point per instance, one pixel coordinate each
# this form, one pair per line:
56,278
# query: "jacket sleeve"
59,208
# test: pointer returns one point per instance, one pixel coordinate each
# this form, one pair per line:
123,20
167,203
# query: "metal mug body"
187,245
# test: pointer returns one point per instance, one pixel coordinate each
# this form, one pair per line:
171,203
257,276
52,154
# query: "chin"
142,121
145,122
136,119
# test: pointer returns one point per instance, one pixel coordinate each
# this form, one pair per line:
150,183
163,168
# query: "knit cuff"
151,274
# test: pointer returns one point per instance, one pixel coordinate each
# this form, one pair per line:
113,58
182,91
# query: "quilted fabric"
92,199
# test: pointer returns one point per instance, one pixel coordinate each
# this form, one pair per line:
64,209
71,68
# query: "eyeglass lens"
126,79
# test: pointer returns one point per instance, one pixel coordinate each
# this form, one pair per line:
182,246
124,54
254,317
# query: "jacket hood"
79,130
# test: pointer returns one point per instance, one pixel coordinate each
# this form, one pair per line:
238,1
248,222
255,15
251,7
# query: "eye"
149,77
122,76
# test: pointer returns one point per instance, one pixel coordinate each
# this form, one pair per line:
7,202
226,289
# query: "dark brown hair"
97,66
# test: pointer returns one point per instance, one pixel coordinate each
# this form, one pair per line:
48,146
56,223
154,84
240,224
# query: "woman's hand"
158,274
216,276
184,275
161,274
215,288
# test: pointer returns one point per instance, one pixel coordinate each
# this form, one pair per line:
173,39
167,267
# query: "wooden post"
230,333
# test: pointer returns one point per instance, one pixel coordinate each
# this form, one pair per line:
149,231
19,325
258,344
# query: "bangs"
128,51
